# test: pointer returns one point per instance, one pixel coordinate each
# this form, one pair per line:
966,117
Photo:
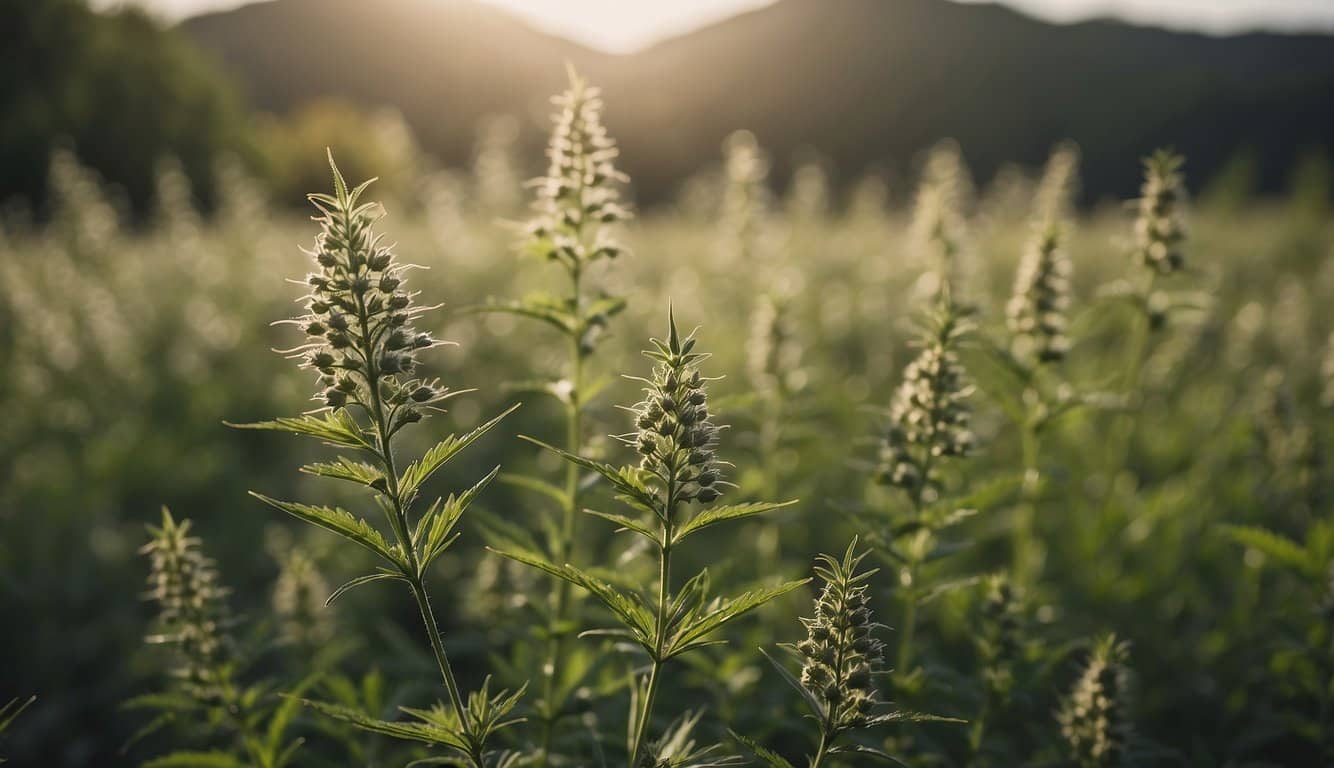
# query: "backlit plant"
363,347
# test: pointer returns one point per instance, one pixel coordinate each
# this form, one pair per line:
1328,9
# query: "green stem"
906,634
401,529
664,580
1123,430
822,750
565,546
910,598
1027,550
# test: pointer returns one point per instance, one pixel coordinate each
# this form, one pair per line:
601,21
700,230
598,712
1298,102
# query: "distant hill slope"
866,83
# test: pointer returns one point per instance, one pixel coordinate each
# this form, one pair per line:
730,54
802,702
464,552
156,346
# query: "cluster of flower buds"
192,610
579,193
1160,229
1036,312
359,313
841,653
1094,719
929,415
673,430
998,642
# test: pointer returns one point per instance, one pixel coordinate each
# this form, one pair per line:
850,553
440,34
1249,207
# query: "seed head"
929,415
841,653
579,194
192,610
1160,229
1036,313
1093,718
674,430
358,312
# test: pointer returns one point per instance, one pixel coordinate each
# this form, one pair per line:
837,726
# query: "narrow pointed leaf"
336,428
357,582
1278,547
626,607
816,706
628,524
351,471
340,521
728,611
418,471
715,515
770,758
428,733
623,480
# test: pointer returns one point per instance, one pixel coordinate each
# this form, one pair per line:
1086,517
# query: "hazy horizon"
619,26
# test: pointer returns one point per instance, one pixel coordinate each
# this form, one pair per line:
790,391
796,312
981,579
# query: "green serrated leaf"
336,428
341,522
770,758
695,632
1276,546
714,515
628,608
628,524
418,471
438,537
427,732
351,471
625,480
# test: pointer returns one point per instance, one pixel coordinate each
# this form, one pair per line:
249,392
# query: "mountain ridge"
862,83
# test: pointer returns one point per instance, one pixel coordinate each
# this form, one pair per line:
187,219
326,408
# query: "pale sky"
626,25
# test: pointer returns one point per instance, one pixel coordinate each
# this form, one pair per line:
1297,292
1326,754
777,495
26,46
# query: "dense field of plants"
970,479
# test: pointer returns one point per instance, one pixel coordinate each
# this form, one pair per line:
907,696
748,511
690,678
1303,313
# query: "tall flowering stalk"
929,428
361,343
1037,319
929,415
192,608
207,691
1159,252
840,659
939,224
1160,228
1036,313
678,471
577,203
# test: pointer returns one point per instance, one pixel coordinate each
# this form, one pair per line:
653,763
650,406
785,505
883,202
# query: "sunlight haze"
622,26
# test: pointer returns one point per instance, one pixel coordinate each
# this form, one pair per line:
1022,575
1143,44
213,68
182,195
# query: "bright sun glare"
622,25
